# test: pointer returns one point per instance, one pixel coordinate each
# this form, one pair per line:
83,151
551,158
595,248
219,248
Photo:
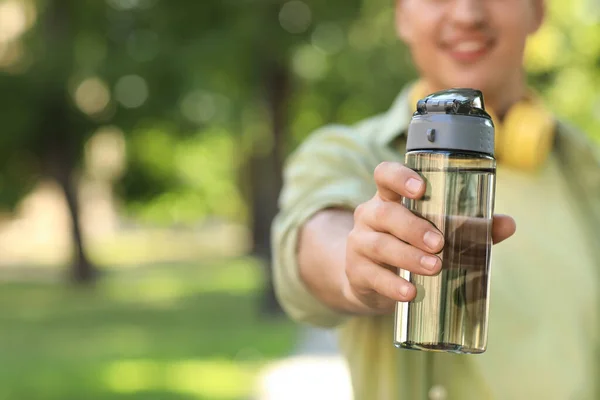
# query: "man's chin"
464,79
469,81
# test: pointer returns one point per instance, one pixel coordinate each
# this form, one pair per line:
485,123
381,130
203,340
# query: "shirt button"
438,392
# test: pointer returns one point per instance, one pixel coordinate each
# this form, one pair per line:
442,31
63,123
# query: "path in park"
315,370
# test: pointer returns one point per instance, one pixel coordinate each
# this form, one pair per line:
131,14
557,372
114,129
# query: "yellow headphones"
524,138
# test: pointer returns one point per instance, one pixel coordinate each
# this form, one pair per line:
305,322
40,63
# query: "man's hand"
387,236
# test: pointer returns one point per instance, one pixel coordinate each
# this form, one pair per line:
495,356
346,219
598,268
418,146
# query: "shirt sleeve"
333,168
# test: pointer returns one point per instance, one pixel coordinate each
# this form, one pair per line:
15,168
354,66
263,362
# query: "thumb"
503,227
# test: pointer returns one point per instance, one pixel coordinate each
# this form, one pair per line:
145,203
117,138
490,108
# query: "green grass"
168,332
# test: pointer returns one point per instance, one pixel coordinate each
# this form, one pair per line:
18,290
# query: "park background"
141,144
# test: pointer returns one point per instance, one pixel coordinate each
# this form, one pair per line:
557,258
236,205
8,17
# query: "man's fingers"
394,218
503,227
376,286
395,181
388,250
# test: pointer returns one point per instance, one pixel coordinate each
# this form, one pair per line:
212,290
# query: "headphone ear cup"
527,135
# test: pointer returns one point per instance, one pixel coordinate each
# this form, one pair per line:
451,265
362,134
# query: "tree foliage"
211,95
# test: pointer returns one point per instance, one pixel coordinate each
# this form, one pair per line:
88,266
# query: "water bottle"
451,145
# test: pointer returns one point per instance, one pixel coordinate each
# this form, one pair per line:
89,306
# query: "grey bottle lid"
453,119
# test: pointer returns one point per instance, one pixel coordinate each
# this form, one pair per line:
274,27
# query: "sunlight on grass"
167,286
125,339
160,287
129,249
132,376
172,332
240,278
212,378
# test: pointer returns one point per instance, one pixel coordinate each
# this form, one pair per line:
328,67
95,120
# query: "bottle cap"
452,119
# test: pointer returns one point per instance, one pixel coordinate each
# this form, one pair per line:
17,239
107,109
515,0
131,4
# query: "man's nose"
468,13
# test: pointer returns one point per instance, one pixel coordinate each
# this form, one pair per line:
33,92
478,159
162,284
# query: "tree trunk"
82,270
62,134
60,159
265,171
60,166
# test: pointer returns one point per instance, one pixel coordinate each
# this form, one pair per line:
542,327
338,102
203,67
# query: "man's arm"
328,262
349,261
322,256
332,169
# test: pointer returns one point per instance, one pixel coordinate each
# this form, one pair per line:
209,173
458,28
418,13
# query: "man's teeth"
467,47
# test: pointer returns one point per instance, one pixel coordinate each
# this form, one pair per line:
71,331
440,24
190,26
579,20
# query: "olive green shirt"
543,330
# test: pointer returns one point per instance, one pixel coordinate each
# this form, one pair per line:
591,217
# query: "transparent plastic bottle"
451,145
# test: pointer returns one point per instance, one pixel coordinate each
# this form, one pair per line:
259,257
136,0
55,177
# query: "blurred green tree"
563,62
212,95
69,68
43,131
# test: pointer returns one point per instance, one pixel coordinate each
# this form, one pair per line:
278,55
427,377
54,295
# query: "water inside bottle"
450,312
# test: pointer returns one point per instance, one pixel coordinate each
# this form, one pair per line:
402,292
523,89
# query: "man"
341,223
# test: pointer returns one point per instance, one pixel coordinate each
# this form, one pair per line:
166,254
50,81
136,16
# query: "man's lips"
468,50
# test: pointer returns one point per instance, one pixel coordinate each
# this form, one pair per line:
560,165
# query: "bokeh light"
295,16
361,37
11,53
105,153
328,37
545,50
309,63
199,106
13,20
131,91
92,96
